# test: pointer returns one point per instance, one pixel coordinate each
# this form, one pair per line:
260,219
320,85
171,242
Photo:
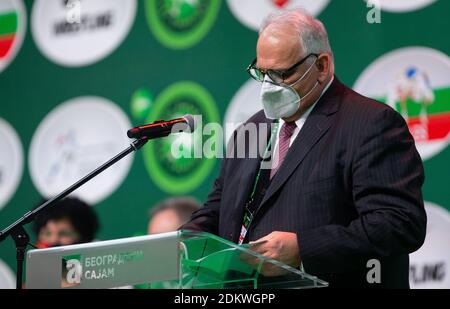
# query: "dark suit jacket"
350,187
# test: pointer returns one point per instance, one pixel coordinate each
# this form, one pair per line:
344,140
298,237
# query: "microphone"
162,128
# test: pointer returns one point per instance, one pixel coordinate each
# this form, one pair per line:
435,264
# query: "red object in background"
5,44
280,3
42,245
438,126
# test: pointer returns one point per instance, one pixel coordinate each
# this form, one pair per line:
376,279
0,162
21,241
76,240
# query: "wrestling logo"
73,140
83,34
12,30
251,13
416,82
430,265
11,162
180,24
172,172
7,277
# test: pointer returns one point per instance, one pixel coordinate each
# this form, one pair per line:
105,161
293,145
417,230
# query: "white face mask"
282,101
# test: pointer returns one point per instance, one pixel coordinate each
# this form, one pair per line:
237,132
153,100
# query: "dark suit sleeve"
207,218
387,176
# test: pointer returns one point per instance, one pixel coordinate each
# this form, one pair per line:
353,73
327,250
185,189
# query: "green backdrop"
32,85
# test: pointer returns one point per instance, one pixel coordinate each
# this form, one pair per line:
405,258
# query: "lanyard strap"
266,152
248,214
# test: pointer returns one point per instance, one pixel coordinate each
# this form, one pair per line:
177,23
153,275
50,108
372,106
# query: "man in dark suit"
345,185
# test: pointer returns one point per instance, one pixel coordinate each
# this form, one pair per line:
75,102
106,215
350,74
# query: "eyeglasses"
277,76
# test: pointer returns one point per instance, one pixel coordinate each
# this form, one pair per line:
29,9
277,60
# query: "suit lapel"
310,134
316,125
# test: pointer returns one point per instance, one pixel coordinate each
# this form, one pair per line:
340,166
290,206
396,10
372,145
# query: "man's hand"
280,246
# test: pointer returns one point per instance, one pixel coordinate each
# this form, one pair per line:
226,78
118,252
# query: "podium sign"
177,260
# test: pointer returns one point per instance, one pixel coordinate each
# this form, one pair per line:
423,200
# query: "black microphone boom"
162,128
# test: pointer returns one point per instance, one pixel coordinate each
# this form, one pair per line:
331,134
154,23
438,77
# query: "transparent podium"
176,260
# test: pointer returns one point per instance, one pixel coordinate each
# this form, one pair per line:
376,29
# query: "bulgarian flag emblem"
10,30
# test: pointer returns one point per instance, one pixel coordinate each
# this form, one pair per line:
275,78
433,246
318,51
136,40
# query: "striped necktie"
286,132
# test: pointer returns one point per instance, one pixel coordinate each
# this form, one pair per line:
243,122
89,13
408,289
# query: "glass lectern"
176,260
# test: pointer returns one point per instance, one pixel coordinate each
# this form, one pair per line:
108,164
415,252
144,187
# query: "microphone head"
190,121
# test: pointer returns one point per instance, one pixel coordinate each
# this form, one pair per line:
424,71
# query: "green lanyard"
248,215
266,152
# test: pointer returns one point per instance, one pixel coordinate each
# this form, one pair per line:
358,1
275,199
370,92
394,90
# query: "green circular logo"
141,103
181,174
180,24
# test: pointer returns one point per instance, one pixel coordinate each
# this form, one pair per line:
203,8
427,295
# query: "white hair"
311,32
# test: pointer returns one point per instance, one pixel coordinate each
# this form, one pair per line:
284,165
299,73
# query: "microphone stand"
18,233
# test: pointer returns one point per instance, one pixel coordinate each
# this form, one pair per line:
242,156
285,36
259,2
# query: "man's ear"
323,64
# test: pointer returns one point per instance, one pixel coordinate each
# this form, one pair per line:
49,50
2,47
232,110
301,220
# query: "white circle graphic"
11,162
400,6
12,30
81,33
430,265
245,103
251,13
7,277
73,140
414,78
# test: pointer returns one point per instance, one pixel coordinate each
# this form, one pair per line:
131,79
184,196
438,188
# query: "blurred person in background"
171,213
168,216
70,221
